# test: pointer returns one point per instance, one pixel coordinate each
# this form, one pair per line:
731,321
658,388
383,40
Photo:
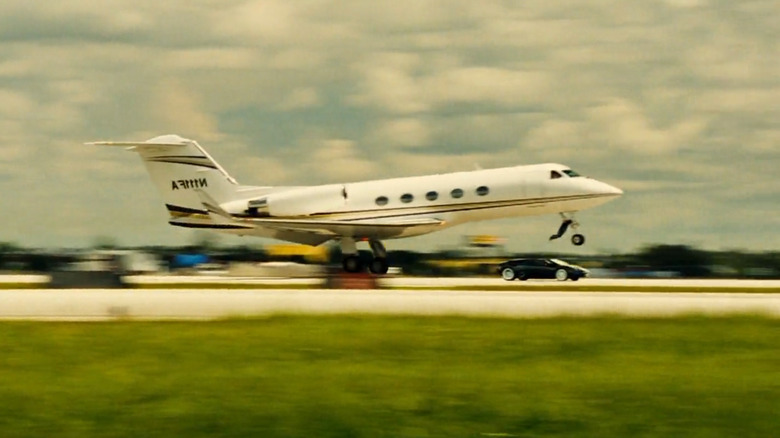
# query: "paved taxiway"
78,304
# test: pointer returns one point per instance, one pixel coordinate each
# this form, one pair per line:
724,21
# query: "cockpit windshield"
559,262
571,173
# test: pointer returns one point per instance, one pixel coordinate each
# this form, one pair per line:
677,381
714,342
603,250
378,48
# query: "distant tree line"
687,261
672,260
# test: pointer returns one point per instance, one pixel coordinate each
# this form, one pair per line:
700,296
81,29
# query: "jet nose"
604,189
612,190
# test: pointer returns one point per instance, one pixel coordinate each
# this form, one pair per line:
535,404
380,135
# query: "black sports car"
523,269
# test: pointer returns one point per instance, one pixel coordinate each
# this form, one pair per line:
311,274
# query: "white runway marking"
208,304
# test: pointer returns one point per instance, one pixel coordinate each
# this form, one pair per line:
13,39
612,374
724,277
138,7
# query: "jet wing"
307,231
133,144
360,227
243,228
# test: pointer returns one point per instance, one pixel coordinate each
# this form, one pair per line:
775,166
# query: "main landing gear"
576,239
351,260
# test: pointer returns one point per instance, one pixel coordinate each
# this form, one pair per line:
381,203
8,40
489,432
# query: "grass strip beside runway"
296,376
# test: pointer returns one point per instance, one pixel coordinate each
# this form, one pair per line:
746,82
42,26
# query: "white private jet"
199,193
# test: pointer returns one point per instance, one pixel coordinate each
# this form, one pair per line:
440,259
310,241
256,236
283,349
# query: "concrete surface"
94,304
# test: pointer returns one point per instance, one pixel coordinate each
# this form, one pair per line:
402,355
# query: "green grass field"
302,376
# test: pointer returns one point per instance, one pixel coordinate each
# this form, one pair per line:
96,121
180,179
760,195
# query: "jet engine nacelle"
300,202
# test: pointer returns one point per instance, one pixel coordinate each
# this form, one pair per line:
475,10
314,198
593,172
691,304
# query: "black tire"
508,274
352,264
578,240
378,266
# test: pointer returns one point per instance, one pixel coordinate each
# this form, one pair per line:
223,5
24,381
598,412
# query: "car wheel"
522,276
561,275
508,274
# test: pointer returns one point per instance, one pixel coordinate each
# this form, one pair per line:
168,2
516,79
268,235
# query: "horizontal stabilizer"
217,213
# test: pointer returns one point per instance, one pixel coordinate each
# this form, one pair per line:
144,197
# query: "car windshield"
559,262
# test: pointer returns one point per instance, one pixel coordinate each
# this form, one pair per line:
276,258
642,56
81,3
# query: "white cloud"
262,19
562,136
622,124
399,83
15,105
413,15
300,98
260,171
740,100
338,160
387,82
685,3
764,140
274,24
190,59
490,85
402,132
179,110
295,58
404,163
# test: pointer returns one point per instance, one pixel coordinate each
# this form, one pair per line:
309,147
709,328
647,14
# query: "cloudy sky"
675,101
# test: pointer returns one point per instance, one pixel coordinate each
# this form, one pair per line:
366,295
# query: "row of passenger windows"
433,195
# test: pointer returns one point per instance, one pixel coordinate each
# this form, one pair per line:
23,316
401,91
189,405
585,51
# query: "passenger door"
547,269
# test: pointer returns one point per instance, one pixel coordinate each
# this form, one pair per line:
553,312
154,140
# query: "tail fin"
179,169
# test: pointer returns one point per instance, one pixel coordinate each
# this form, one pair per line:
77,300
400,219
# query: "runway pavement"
94,304
424,282
448,282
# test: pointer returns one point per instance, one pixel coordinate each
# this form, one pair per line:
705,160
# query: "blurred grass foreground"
295,376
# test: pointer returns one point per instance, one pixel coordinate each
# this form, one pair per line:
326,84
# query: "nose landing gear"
576,239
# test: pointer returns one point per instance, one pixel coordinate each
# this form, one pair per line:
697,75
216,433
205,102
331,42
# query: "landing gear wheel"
378,266
561,275
508,274
577,239
352,263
